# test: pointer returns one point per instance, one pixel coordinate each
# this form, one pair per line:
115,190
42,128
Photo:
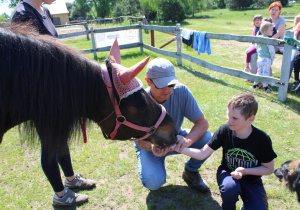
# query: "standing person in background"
279,22
252,49
39,17
296,83
266,55
296,21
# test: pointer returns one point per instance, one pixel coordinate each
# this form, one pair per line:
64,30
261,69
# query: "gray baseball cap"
161,72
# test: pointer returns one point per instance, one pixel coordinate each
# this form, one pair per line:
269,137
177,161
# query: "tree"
3,17
104,7
221,4
172,10
13,3
80,8
284,2
118,10
69,6
238,4
193,6
132,7
149,9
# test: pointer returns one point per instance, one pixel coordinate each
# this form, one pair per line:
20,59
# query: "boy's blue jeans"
252,192
152,169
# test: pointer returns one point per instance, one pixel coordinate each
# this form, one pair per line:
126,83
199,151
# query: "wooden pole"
93,43
86,29
285,69
141,36
152,38
178,37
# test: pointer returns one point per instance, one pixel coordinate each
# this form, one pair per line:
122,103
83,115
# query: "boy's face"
236,121
269,32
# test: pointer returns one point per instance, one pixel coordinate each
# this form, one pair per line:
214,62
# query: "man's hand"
181,143
238,173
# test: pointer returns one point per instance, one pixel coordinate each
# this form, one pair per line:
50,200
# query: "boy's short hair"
265,26
244,102
267,19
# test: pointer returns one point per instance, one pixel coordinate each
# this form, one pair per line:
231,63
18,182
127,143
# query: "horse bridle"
121,120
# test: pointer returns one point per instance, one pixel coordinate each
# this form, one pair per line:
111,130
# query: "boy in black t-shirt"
247,155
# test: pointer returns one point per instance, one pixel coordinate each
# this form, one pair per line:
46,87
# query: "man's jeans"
152,168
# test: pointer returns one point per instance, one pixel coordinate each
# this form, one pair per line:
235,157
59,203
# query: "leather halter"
121,120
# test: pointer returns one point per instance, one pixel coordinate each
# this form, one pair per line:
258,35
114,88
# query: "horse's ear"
115,55
130,73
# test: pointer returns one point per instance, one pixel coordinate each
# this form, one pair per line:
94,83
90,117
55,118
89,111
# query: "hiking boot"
69,198
268,89
194,180
80,182
295,86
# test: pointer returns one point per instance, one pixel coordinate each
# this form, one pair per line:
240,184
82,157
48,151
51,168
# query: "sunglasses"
170,86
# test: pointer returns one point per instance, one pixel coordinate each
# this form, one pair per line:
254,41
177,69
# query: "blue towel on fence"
201,44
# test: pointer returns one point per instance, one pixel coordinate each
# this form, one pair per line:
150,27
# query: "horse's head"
136,114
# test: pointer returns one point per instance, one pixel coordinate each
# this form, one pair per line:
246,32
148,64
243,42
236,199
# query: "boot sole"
65,205
190,184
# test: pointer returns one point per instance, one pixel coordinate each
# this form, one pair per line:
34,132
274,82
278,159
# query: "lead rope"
83,128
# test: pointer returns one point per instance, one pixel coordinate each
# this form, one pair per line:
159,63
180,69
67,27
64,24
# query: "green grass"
113,163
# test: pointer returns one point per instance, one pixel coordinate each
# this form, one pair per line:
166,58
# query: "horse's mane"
45,83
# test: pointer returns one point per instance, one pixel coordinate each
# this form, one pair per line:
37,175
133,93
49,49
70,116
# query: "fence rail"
282,83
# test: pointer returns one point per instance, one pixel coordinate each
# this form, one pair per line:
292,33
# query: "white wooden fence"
281,83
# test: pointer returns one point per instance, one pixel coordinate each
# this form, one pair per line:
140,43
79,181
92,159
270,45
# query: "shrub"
172,10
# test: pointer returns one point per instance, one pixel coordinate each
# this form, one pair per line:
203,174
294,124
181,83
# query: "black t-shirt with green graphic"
247,153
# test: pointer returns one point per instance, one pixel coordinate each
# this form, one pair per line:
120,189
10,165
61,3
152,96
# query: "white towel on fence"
186,33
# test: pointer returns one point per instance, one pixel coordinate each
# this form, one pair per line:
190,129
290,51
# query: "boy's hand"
159,152
238,173
181,143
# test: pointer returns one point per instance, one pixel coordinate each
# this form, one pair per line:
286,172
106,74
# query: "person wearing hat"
179,103
278,22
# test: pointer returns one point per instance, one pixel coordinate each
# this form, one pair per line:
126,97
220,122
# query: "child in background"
296,21
266,55
247,155
251,50
268,19
296,83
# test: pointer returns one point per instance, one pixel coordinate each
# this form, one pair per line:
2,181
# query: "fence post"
285,69
141,36
86,29
152,38
93,43
178,38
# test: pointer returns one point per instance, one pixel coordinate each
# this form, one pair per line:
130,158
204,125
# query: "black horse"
50,88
